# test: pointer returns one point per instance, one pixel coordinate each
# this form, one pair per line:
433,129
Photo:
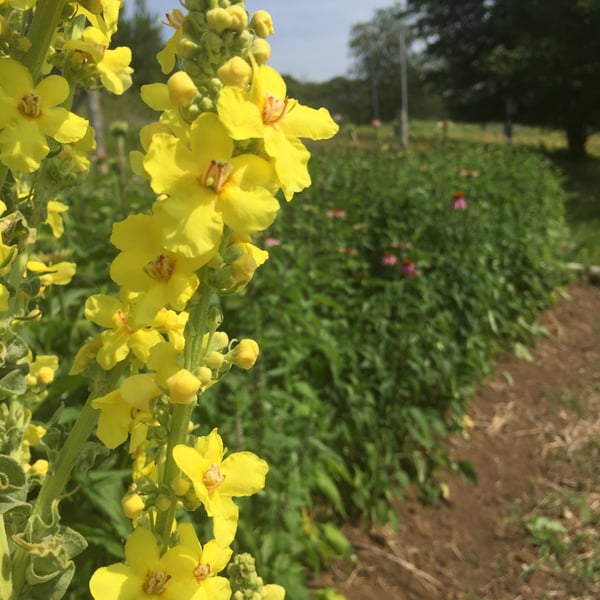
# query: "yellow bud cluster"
232,17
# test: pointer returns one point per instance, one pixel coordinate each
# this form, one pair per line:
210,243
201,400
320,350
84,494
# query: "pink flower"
375,122
459,201
271,241
408,268
388,259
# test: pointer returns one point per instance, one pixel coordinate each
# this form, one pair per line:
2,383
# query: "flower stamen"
156,583
30,105
213,477
274,109
216,175
202,571
161,267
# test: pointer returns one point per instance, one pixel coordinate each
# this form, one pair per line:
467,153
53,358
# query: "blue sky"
311,36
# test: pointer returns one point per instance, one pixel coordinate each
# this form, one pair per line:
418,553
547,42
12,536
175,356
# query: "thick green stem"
55,483
41,32
182,413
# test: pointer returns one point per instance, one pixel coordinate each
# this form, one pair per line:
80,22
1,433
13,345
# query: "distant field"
582,178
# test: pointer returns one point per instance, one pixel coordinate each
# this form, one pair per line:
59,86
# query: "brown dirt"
534,423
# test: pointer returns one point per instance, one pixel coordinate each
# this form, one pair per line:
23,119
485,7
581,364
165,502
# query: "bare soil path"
535,446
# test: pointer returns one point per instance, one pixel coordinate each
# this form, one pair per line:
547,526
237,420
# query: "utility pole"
403,120
403,89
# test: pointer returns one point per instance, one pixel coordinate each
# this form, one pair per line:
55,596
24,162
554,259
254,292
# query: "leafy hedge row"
380,307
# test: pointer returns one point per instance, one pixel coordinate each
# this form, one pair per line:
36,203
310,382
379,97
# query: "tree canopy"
537,59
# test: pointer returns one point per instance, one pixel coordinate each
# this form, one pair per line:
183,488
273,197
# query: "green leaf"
328,488
521,351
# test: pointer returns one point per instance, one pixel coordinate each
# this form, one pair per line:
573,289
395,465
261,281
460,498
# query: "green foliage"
363,371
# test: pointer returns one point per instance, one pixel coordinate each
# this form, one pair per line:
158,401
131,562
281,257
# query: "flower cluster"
226,143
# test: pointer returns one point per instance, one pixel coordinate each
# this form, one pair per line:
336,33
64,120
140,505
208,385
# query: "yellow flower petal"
245,474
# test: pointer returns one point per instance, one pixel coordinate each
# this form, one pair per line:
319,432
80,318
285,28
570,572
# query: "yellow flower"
78,153
112,65
211,559
173,324
162,278
42,369
55,208
146,574
121,408
59,273
272,591
120,337
217,480
29,113
102,14
208,188
166,57
265,112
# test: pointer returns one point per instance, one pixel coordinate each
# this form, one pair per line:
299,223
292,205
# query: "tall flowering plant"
226,141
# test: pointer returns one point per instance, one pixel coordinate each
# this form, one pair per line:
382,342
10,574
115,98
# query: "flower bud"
239,17
214,360
180,486
187,48
220,340
163,503
243,268
244,355
132,505
262,24
46,375
206,104
183,387
182,89
236,71
219,19
261,50
39,467
204,375
33,434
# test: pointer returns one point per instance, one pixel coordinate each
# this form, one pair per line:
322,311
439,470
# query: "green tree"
533,59
375,47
